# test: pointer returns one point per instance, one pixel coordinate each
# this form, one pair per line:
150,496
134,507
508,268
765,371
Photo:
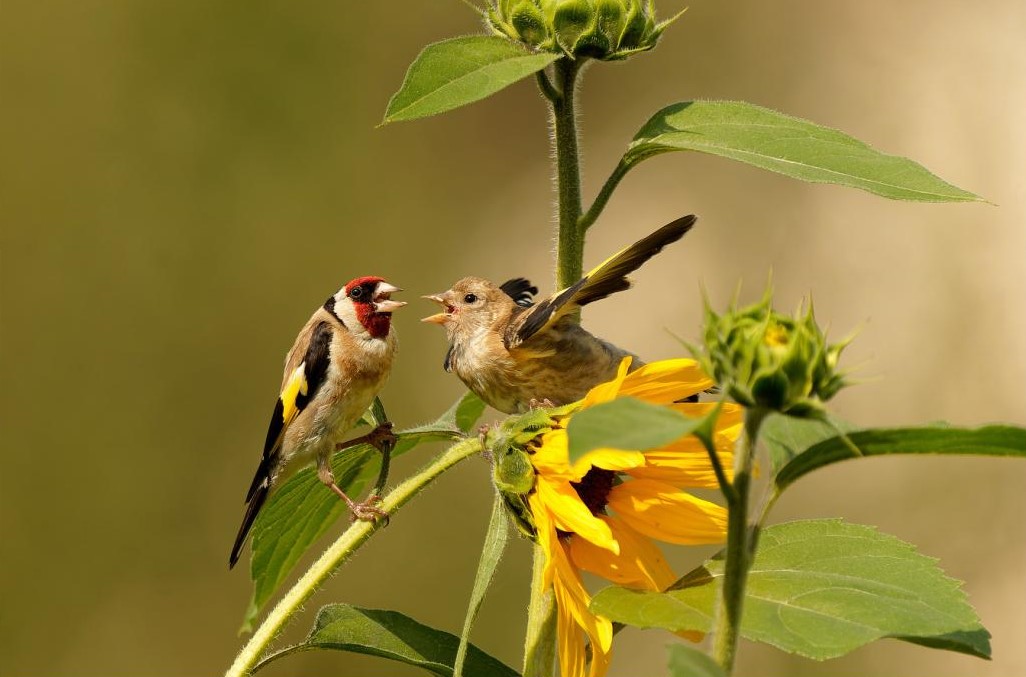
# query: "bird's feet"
381,438
544,403
368,511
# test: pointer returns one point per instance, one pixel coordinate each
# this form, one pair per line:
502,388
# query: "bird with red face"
515,353
335,369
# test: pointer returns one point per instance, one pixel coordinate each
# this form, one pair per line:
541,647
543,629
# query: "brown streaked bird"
513,352
336,367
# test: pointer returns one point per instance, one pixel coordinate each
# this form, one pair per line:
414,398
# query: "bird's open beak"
382,300
438,318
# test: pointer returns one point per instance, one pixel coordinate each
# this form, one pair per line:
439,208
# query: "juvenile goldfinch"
514,353
336,367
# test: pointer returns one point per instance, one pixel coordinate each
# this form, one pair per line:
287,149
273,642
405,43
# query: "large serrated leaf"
821,588
995,440
790,146
458,71
391,635
626,423
301,510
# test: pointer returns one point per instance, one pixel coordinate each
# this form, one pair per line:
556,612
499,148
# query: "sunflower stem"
570,241
540,643
340,551
741,540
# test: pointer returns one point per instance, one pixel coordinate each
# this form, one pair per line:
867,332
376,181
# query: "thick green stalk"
339,552
540,643
740,548
570,242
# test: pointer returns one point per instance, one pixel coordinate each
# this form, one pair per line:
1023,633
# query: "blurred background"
184,182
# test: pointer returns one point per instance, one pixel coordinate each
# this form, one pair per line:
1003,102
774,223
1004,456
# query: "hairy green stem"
540,643
589,217
740,548
570,242
339,552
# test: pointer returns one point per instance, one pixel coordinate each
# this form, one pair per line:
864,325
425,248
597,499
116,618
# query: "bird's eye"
469,298
356,292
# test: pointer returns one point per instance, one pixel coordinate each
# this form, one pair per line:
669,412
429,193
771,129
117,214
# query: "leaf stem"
540,642
740,547
570,241
586,221
546,87
339,552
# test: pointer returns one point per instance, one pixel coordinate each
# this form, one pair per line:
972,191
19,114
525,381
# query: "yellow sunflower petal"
607,459
570,514
666,381
663,512
607,391
551,455
682,468
640,563
729,423
573,617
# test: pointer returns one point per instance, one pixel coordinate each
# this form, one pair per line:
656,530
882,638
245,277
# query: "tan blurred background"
183,182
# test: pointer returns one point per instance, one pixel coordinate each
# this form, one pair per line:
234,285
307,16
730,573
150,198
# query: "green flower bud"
764,359
529,23
598,29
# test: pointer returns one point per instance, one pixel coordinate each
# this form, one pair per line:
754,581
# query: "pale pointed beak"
382,302
388,305
438,318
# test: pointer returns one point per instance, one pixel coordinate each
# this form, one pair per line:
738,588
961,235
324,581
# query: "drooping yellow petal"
573,601
663,512
640,563
570,514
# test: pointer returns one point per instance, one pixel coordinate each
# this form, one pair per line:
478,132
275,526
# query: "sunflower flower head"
604,512
601,29
766,359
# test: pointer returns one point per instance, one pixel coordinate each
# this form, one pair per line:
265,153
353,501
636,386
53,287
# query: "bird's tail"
610,276
256,501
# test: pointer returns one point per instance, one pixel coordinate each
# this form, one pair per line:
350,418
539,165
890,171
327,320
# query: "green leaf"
465,412
995,440
392,635
295,516
687,661
821,588
789,146
301,510
491,553
458,71
786,437
626,423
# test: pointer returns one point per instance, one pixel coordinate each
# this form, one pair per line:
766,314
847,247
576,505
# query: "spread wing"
607,278
300,388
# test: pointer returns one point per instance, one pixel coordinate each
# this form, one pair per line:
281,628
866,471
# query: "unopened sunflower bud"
773,361
598,29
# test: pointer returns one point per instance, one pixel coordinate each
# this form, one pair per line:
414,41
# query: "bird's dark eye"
469,298
356,292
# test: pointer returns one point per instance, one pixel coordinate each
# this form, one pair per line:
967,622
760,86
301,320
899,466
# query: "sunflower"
602,512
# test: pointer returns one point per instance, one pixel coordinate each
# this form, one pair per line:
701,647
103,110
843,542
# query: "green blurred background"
183,182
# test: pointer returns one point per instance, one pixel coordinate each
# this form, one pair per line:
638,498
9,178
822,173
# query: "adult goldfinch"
513,352
337,365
